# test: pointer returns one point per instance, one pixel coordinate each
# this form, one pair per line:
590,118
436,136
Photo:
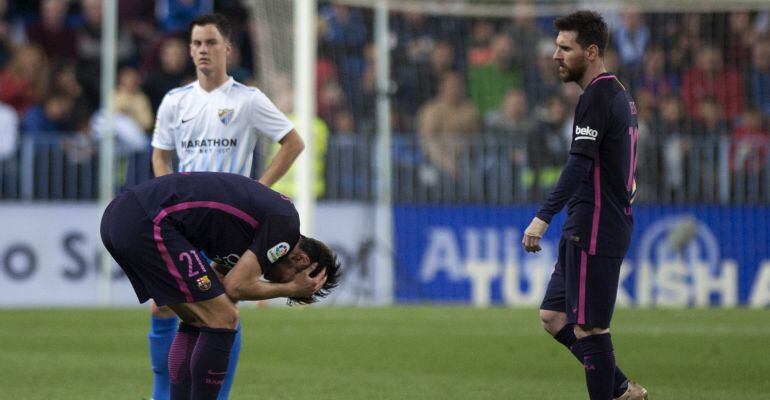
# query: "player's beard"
573,74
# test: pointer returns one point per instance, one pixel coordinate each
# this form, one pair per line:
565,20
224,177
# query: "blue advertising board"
681,256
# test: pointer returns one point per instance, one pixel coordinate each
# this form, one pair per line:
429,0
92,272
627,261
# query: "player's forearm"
290,149
243,281
574,172
161,162
259,290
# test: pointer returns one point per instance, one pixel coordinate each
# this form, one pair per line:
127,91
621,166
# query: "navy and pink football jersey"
605,129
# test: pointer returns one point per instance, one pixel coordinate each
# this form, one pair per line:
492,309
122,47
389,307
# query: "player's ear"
592,52
303,258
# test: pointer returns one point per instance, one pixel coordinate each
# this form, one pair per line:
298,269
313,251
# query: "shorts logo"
225,115
585,133
278,251
204,283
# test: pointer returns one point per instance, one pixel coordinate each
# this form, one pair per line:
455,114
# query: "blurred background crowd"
477,106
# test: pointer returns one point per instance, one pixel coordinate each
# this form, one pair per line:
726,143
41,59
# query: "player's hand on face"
532,235
306,285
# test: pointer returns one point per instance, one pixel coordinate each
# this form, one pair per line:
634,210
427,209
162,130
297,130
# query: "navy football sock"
209,362
179,361
599,364
162,332
224,392
566,336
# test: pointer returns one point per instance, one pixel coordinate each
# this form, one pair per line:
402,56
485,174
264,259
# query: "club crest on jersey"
204,283
278,251
226,115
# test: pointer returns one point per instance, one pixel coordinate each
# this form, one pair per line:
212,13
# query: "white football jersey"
217,131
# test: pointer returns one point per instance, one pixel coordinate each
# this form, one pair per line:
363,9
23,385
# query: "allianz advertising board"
681,256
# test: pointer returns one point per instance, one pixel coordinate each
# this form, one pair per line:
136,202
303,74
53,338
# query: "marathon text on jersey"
200,143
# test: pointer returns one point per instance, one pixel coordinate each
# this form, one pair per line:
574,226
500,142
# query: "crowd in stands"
50,61
700,81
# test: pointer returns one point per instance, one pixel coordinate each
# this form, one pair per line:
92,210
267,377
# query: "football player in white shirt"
212,124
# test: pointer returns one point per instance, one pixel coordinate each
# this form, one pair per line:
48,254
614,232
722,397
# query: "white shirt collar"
222,88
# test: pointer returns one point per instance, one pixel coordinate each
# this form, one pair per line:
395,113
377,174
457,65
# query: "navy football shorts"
583,286
160,263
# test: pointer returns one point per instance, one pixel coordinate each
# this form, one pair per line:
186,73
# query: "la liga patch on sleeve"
278,251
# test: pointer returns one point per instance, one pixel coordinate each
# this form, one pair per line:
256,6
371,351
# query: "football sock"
224,392
599,364
179,361
566,336
209,362
162,332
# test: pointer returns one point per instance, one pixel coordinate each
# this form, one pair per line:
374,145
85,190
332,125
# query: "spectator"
631,37
751,143
759,84
89,38
710,77
512,125
512,119
675,142
331,100
415,36
172,71
138,17
11,31
51,31
343,124
654,80
738,40
541,82
711,127
64,79
708,134
548,144
342,35
479,49
681,40
489,83
284,100
129,99
417,83
50,117
24,81
523,29
174,15
447,124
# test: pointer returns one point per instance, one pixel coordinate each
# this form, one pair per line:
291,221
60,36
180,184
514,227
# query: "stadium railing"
490,170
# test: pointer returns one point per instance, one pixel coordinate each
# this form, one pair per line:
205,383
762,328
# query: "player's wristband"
536,228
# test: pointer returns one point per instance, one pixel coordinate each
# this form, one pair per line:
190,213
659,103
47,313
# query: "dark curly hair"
319,253
590,28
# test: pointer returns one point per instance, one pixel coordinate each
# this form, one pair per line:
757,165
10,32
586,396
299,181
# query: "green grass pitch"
392,353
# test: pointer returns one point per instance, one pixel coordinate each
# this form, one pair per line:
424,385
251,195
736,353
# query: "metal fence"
489,170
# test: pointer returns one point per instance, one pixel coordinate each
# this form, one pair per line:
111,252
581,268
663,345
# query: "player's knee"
228,318
161,311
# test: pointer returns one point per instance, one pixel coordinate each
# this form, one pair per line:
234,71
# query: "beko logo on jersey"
585,133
